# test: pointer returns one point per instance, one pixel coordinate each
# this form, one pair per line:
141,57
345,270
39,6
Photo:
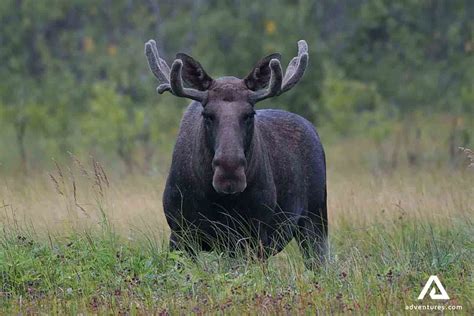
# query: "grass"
77,241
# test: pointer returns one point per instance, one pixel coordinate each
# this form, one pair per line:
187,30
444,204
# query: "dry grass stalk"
60,172
74,188
56,184
74,193
98,176
79,165
104,175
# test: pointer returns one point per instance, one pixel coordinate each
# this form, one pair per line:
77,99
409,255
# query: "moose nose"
229,164
229,174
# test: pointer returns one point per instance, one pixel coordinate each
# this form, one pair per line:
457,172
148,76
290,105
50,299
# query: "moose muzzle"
229,174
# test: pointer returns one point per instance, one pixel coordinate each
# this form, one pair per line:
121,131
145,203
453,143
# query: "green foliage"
351,106
371,61
111,119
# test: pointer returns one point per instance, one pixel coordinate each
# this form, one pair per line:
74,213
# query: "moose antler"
279,84
170,80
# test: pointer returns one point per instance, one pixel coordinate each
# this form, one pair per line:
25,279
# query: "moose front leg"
188,242
312,237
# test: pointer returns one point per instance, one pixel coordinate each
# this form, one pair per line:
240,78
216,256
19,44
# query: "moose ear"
193,74
259,77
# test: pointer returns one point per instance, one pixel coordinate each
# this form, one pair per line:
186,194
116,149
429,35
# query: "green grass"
80,245
371,270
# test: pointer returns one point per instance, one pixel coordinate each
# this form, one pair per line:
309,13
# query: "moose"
240,177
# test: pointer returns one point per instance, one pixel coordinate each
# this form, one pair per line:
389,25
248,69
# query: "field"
86,142
77,240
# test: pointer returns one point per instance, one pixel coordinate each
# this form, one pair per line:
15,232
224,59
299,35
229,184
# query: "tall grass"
78,240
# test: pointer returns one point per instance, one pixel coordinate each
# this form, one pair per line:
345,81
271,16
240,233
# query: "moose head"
228,115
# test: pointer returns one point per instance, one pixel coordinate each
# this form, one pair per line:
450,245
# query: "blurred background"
389,84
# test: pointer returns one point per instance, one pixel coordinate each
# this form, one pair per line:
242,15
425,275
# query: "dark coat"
285,195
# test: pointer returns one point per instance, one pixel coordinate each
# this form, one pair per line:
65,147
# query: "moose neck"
257,158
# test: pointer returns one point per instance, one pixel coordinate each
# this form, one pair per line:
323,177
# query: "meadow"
388,85
76,239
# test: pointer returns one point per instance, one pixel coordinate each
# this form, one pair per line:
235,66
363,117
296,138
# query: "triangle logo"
433,295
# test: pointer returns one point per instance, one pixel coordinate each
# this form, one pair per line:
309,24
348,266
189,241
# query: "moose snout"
229,164
229,174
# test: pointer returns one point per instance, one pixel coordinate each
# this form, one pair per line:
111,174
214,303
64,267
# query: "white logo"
433,295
